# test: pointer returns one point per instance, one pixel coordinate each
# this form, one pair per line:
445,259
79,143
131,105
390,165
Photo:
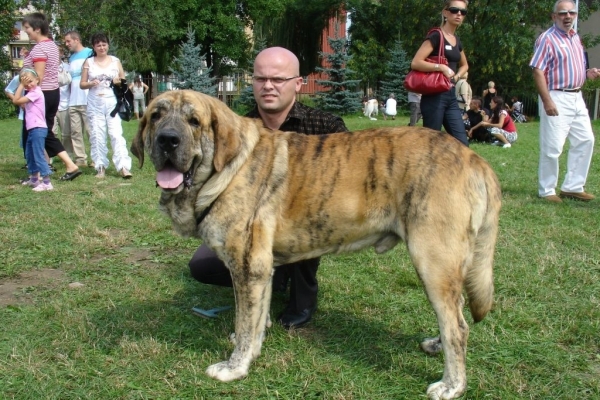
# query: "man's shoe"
289,318
81,163
552,198
581,196
69,176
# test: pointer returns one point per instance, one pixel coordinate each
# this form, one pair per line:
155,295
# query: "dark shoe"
581,196
552,198
52,168
69,176
289,318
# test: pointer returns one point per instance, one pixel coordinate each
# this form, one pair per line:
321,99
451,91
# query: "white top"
390,106
104,75
65,91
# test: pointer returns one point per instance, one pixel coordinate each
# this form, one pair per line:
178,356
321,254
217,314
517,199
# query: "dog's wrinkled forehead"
175,109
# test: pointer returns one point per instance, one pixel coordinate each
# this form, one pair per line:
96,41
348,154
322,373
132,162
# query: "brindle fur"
269,198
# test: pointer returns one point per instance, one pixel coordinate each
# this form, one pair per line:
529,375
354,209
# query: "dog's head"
184,133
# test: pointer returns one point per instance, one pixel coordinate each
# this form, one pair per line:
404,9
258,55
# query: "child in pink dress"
35,123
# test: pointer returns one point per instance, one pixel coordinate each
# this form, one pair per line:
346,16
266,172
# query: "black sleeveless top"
452,53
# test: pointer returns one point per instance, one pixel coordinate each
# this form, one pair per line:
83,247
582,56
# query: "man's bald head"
279,57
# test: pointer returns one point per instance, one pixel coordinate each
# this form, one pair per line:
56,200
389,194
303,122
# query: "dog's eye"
194,121
155,116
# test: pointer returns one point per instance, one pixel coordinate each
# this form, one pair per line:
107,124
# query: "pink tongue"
169,178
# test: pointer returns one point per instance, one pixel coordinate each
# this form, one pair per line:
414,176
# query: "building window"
15,52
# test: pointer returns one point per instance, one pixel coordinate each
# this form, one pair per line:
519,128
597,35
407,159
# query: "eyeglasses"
563,13
261,80
456,10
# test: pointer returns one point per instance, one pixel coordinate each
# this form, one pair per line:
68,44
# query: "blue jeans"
34,152
442,109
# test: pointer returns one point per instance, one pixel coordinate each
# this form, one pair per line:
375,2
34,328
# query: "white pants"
572,122
100,121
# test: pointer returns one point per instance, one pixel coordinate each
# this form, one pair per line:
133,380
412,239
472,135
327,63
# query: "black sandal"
69,176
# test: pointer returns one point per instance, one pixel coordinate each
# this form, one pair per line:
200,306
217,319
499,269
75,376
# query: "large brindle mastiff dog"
262,198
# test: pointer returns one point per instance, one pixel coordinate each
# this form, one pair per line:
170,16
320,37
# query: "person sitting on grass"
35,123
500,126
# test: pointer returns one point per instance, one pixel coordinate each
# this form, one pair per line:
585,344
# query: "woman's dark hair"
37,20
499,107
98,38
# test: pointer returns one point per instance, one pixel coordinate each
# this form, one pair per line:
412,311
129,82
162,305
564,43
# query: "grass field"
126,332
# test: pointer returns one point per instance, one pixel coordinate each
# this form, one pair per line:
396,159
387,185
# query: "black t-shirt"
452,53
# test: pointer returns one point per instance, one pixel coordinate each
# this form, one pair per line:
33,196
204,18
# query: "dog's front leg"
252,303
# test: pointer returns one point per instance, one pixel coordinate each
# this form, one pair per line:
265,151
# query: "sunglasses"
456,10
563,13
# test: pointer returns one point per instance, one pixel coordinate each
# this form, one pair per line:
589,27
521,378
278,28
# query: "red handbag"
429,82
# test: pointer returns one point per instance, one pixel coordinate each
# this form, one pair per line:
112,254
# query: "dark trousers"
442,109
52,145
207,268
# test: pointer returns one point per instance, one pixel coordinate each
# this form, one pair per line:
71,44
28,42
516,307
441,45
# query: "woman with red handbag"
442,108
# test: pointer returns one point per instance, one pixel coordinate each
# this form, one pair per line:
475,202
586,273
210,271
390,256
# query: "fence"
230,88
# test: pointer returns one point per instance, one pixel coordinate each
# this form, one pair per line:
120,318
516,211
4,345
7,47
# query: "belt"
577,90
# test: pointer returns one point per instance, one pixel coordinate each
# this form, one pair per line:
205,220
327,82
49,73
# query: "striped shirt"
561,56
45,51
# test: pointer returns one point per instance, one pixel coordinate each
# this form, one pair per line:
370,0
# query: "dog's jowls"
261,198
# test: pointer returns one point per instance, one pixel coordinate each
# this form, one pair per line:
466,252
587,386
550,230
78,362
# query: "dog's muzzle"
168,141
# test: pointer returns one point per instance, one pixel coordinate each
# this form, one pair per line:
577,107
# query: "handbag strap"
441,47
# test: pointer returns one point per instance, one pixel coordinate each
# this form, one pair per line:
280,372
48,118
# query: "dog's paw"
269,323
226,372
441,391
432,346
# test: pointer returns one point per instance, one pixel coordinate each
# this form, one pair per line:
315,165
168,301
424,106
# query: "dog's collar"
203,215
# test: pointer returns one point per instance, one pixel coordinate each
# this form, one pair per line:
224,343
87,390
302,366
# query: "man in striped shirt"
559,71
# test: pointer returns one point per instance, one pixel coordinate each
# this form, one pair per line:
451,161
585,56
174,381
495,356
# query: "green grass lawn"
128,332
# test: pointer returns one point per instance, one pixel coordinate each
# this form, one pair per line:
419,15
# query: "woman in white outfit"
139,89
97,74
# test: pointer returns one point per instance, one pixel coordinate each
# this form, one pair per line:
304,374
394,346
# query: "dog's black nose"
168,140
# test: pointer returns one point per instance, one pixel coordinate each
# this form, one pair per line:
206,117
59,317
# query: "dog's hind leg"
252,290
441,271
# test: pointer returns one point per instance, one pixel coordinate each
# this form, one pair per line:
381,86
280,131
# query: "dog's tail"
479,282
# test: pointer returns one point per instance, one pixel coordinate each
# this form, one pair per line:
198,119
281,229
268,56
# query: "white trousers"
101,123
573,123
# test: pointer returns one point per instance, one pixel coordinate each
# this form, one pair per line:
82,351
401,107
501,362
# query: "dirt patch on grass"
22,289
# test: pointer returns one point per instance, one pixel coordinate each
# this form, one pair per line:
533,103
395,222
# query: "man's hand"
550,108
593,73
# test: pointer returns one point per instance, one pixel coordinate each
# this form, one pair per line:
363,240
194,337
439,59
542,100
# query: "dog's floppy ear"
137,145
226,137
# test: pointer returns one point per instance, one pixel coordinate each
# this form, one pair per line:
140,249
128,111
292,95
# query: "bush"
7,109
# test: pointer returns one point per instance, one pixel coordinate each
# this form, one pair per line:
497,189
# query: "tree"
497,36
246,101
149,32
299,28
7,32
190,68
342,97
397,68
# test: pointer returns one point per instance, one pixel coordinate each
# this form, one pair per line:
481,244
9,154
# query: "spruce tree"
190,68
343,96
246,102
396,69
